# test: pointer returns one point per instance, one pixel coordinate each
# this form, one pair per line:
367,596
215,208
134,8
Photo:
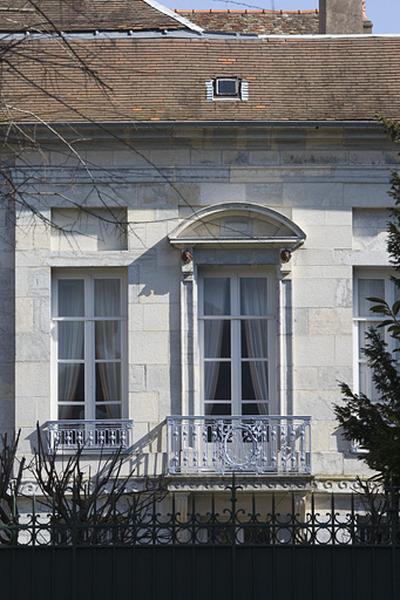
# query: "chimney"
341,16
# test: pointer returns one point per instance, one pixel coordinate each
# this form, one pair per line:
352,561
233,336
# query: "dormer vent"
227,88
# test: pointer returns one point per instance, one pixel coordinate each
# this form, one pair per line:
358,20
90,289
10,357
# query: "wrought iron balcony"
261,445
92,435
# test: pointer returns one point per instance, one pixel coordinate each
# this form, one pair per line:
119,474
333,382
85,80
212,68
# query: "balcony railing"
261,445
90,435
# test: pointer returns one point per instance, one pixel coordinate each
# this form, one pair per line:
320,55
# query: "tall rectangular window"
369,283
89,317
237,330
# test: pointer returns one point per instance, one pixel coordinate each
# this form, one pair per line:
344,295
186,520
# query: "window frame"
235,96
89,275
368,273
235,319
242,90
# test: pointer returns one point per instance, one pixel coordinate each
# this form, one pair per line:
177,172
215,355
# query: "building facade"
186,265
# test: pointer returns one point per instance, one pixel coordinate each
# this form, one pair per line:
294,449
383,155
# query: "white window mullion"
236,369
89,350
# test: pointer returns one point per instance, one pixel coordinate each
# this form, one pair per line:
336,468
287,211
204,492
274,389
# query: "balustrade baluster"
232,444
283,447
204,436
274,446
292,439
302,447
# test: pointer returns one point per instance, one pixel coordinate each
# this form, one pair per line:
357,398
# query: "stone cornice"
247,483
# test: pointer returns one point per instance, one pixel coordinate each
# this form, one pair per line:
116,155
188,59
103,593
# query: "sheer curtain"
70,346
108,340
254,303
216,302
70,341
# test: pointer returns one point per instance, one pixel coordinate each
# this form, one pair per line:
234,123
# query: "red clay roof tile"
290,79
255,21
83,15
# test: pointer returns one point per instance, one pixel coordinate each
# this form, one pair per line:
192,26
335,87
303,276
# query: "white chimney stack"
342,16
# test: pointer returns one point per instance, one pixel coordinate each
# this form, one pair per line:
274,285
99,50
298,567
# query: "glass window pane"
107,297
71,412
366,289
108,339
253,296
108,411
259,408
71,298
217,409
70,340
108,382
217,339
254,335
217,383
255,380
217,299
71,382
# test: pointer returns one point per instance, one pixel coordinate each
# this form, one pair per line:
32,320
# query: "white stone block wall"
332,182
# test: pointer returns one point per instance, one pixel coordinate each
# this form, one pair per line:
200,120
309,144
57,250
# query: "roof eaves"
173,15
186,34
372,123
107,35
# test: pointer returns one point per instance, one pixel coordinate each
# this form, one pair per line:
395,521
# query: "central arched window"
237,319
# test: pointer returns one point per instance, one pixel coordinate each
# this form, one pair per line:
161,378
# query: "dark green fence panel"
201,573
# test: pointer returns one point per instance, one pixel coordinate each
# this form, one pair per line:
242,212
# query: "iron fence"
240,521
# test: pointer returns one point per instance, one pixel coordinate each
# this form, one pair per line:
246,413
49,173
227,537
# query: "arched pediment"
234,224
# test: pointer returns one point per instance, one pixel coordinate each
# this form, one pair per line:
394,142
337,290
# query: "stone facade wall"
318,177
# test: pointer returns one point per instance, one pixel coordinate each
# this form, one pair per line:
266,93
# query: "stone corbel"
285,265
187,264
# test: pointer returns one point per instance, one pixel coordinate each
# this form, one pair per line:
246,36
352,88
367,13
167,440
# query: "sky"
385,14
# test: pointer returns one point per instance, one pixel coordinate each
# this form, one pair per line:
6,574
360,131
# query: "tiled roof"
255,21
83,15
163,79
269,22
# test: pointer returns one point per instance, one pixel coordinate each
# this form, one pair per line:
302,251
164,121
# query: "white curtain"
71,298
366,289
254,302
70,339
212,349
108,340
70,343
70,346
107,297
216,302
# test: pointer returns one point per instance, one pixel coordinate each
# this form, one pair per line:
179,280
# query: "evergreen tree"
375,426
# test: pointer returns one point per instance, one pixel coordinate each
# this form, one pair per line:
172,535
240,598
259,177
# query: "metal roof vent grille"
244,89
